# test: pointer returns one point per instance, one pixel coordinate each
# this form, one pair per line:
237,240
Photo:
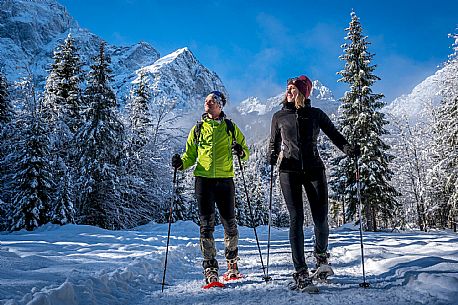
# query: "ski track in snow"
77,264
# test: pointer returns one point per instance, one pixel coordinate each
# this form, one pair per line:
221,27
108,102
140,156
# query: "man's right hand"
176,161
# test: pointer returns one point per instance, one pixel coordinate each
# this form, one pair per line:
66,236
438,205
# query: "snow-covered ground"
76,264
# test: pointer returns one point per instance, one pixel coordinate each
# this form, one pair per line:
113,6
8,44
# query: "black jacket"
295,133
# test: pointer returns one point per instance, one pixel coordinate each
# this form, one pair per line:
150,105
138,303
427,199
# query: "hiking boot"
321,259
303,282
232,269
211,275
322,267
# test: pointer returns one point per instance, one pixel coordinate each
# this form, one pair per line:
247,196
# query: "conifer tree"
6,116
31,173
63,86
99,147
62,108
139,113
6,109
362,122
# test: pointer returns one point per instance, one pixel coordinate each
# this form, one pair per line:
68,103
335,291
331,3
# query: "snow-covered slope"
426,94
31,29
76,264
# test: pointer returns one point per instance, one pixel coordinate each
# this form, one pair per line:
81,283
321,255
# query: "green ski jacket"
213,149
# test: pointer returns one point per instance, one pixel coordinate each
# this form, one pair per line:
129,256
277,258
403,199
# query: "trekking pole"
170,224
364,284
251,215
267,277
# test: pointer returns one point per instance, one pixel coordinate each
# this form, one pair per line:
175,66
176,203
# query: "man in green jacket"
212,143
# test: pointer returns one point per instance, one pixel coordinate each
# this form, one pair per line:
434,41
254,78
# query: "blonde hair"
299,101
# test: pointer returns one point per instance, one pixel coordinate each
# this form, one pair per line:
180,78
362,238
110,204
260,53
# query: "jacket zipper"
299,142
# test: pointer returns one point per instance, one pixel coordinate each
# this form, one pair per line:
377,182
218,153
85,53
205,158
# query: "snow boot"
321,259
303,282
322,267
232,272
211,275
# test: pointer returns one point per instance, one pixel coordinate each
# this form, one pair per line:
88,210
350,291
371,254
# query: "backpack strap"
197,132
230,128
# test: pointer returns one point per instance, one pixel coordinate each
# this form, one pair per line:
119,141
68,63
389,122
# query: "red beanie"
303,84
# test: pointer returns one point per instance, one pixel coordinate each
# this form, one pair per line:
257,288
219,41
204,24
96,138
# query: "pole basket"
364,285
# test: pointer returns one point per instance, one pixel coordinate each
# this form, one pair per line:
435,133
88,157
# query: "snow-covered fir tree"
361,122
63,86
139,113
443,177
99,145
30,173
62,108
6,108
6,116
135,179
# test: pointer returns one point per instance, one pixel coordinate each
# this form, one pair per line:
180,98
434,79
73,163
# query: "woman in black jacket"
294,133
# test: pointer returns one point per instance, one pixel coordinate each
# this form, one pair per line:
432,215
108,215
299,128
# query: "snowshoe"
303,282
322,268
322,273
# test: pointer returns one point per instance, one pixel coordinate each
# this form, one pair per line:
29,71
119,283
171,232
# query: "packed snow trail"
86,265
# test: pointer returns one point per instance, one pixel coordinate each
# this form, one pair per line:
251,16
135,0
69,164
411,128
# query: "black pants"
219,191
316,188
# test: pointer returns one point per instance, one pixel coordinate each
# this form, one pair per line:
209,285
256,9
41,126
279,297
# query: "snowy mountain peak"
170,59
181,79
321,92
252,104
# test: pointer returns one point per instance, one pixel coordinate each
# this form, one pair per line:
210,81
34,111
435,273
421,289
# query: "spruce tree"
31,173
99,145
6,116
361,122
139,113
6,109
62,108
63,86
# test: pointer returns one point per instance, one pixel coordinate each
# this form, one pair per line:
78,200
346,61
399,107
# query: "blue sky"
254,46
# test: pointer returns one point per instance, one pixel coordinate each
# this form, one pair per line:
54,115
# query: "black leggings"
221,191
316,188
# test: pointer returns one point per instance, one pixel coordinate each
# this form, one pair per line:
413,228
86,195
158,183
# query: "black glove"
273,159
176,161
237,150
352,150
